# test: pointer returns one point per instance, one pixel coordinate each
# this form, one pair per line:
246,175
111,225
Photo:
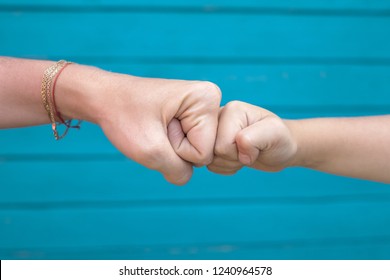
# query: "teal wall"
80,198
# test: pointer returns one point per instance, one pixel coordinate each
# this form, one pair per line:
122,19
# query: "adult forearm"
20,82
355,147
20,92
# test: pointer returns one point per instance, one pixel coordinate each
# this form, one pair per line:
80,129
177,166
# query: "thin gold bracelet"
47,94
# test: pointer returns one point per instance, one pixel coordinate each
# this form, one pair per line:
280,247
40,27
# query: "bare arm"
20,99
252,136
77,92
355,147
163,124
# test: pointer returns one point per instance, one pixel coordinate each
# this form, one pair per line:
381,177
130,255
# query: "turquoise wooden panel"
178,35
211,5
29,184
300,59
343,248
320,249
228,228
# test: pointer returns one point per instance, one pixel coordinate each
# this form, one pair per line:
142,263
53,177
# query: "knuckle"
233,105
211,91
211,87
204,159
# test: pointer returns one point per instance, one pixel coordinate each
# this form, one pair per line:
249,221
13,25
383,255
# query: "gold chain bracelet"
47,93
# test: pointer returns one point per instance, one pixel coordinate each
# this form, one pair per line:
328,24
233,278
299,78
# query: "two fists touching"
166,125
173,125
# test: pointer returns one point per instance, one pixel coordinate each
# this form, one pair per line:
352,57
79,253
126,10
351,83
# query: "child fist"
252,136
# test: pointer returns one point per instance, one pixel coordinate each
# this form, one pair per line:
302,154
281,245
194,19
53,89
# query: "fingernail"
245,159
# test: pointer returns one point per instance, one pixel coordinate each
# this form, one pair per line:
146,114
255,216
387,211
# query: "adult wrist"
80,93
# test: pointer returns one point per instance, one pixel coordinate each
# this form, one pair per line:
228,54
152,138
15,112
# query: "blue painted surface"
297,58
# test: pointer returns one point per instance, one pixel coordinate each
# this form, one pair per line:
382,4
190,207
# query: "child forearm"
355,147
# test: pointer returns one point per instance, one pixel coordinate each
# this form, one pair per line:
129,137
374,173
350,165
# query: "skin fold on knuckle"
204,158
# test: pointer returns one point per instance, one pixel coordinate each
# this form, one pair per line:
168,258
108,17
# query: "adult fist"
166,125
251,136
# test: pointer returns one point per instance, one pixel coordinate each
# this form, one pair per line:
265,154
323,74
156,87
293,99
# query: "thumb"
164,159
175,169
254,139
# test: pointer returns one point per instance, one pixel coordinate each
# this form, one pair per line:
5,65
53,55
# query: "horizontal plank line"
120,60
175,250
195,10
52,157
231,202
